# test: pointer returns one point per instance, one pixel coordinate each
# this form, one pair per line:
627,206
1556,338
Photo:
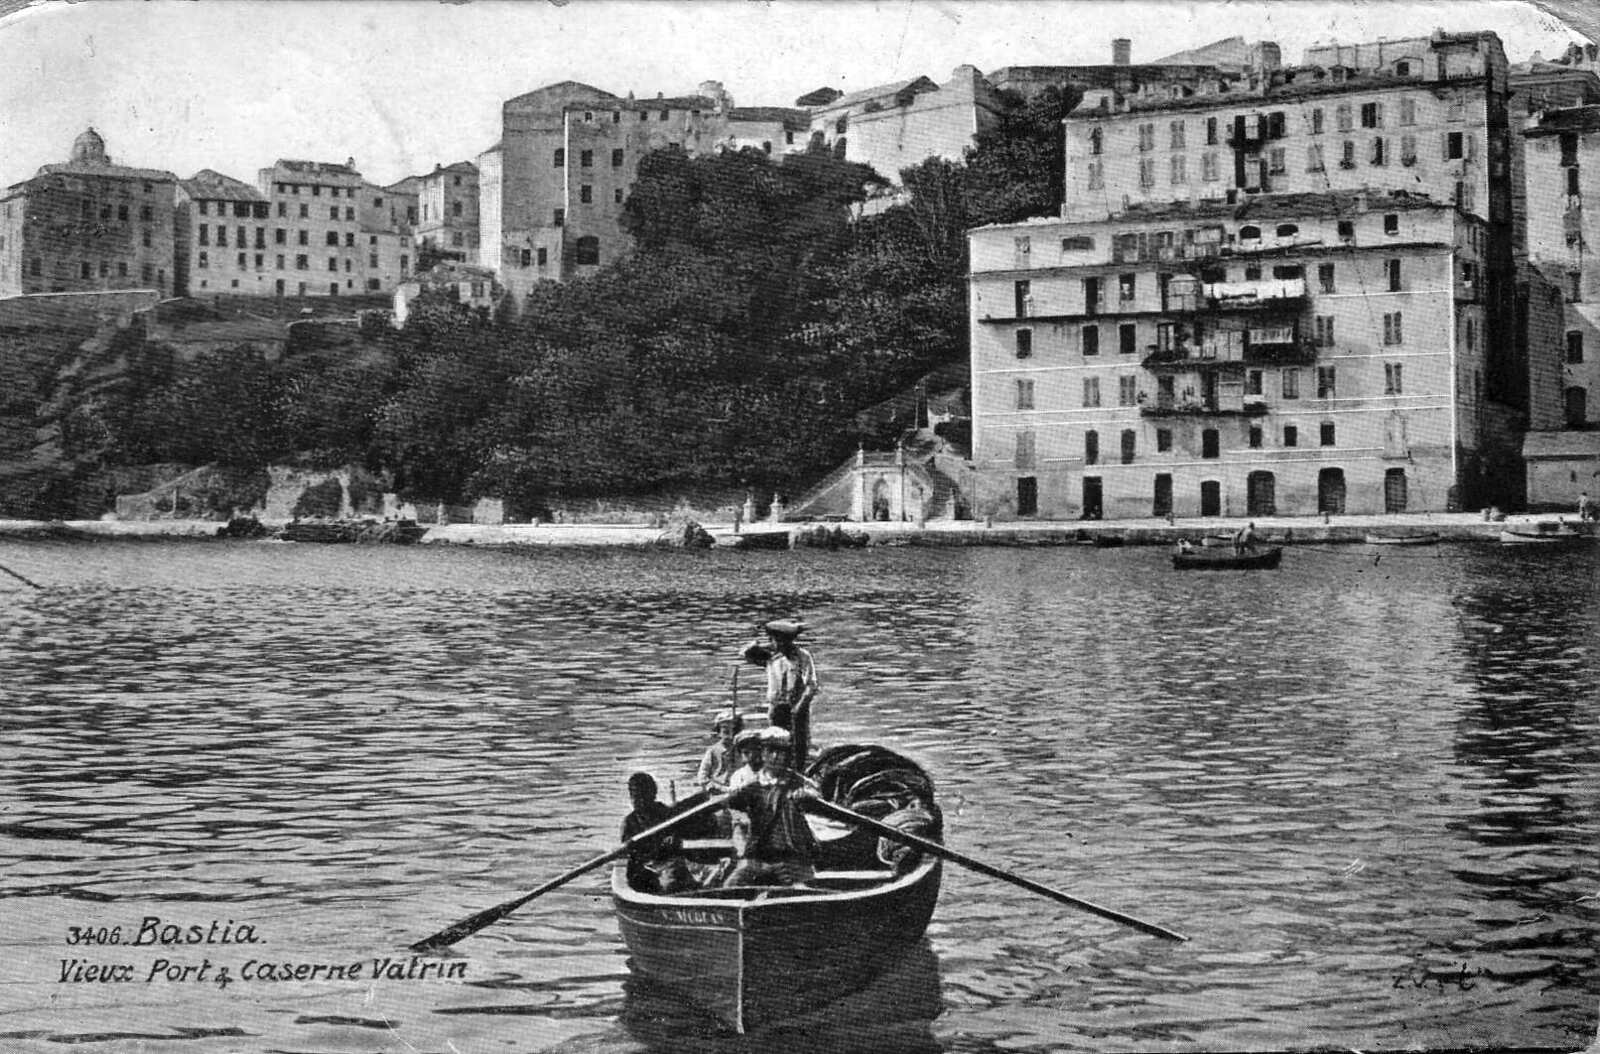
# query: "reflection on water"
1366,789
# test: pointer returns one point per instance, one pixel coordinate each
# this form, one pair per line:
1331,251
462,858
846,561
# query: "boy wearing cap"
780,848
720,760
791,684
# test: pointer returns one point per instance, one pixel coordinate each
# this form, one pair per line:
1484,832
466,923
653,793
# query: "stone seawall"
1463,527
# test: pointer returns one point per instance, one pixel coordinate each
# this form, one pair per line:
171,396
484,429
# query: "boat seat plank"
881,874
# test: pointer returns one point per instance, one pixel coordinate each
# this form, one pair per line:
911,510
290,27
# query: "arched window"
1287,230
1249,233
587,251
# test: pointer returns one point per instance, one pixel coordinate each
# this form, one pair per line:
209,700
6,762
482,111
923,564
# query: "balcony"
1222,406
1269,347
1274,292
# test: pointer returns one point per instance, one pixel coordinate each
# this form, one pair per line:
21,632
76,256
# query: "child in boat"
647,812
781,849
721,758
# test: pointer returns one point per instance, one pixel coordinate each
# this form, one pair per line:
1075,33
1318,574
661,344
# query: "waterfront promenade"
1270,530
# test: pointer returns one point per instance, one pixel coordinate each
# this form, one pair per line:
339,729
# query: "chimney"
1121,51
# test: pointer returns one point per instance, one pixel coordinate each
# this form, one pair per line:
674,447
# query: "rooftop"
208,183
1580,119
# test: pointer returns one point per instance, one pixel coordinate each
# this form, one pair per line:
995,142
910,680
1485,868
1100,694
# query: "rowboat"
1538,537
1219,559
753,956
1421,538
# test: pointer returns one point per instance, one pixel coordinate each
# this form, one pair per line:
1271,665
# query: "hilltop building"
447,221
329,234
88,225
221,237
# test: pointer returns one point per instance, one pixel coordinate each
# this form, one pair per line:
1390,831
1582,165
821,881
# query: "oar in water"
19,578
468,926
916,842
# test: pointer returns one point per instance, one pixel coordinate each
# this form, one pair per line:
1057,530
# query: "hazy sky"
234,84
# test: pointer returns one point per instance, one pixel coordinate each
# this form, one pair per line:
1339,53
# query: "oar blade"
465,928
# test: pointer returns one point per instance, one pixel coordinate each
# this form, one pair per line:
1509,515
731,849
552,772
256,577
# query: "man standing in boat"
1245,540
780,848
791,682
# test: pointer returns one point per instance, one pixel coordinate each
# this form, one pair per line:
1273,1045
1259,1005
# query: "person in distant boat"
1245,539
748,745
1586,509
791,682
781,849
722,757
647,813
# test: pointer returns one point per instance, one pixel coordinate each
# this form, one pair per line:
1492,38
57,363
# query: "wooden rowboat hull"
754,963
1224,560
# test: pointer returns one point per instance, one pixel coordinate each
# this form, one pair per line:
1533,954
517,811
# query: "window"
1147,137
372,261
1147,172
616,158
1327,382
1574,187
1391,270
203,260
222,236
1091,447
1325,277
1574,346
1291,384
1179,168
1408,150
1393,383
144,239
1453,146
1249,233
1391,329
302,262
1163,440
586,159
586,194
280,261
205,207
1091,391
1127,338
1024,395
350,239
1408,110
1128,443
1255,437
1077,243
662,116
1097,141
1391,223
1371,115
1574,287
105,269
1127,391
1347,155
1025,455
1024,343
1127,287
1252,382
1022,246
1091,340
1314,162
1252,273
1208,168
544,254
350,211
203,235
558,218
305,211
1316,122
559,158
1277,160
1211,131
333,263
1378,155
1326,433
1472,333
1097,178
587,251
1210,446
1323,331
616,195
304,237
1347,230
1291,436
1341,117
333,238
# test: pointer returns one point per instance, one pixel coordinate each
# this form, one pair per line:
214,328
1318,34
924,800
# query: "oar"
19,578
916,842
468,926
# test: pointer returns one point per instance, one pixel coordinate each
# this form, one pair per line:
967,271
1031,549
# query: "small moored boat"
1411,538
755,955
1538,537
1216,558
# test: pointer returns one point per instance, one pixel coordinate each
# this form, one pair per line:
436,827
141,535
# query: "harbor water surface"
1365,785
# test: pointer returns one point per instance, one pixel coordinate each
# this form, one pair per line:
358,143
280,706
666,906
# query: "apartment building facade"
221,237
88,225
1290,354
447,212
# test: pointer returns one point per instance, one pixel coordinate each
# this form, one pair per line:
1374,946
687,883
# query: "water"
1366,789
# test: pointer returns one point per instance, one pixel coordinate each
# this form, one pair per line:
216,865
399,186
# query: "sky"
402,85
